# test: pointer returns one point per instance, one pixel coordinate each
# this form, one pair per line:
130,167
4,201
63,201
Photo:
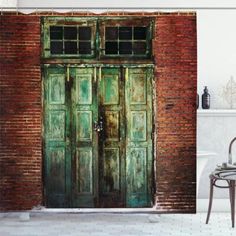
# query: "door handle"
98,125
67,141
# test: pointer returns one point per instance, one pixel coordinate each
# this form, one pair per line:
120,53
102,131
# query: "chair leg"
232,187
230,198
230,194
210,200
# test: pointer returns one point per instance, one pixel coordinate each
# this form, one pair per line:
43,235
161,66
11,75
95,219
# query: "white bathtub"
202,159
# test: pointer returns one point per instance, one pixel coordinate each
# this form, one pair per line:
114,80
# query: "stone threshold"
152,214
96,210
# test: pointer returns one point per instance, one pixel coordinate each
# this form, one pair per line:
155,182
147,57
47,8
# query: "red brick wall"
20,94
20,115
175,49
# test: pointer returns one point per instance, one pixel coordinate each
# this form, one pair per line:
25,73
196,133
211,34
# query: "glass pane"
111,33
125,48
139,48
140,32
125,33
84,33
70,47
56,32
111,48
84,47
70,32
56,47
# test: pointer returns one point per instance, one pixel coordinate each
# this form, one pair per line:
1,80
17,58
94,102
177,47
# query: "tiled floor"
102,224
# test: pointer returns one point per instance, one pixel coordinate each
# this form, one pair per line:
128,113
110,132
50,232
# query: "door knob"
67,141
98,125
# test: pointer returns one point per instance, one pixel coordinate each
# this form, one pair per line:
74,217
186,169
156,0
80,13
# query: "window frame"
97,25
73,22
126,22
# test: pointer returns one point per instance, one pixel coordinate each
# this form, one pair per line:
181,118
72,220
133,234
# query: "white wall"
8,3
216,31
216,64
130,3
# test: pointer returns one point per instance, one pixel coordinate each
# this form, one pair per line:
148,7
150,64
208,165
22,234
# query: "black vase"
205,99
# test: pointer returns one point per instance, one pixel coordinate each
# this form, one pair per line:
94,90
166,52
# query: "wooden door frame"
154,115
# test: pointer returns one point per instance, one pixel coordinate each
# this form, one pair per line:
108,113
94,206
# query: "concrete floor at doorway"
104,224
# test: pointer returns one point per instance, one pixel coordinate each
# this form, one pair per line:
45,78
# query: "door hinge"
100,73
126,73
95,74
68,74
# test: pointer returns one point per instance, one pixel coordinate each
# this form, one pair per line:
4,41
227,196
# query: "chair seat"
224,174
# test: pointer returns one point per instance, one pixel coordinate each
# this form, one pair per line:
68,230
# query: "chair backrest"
230,159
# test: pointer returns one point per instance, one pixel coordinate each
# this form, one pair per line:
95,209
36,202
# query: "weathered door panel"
57,138
112,138
87,168
139,136
84,138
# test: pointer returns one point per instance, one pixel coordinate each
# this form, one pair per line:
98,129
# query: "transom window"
72,40
97,37
125,40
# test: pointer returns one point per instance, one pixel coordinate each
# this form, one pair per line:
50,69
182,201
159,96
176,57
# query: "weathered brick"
20,94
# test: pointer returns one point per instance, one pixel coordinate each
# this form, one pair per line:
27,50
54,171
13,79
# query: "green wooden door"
70,143
125,144
139,153
112,138
57,143
84,138
106,167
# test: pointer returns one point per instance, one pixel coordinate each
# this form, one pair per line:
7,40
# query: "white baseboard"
218,205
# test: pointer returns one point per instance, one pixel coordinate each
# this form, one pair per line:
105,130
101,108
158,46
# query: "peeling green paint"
84,167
